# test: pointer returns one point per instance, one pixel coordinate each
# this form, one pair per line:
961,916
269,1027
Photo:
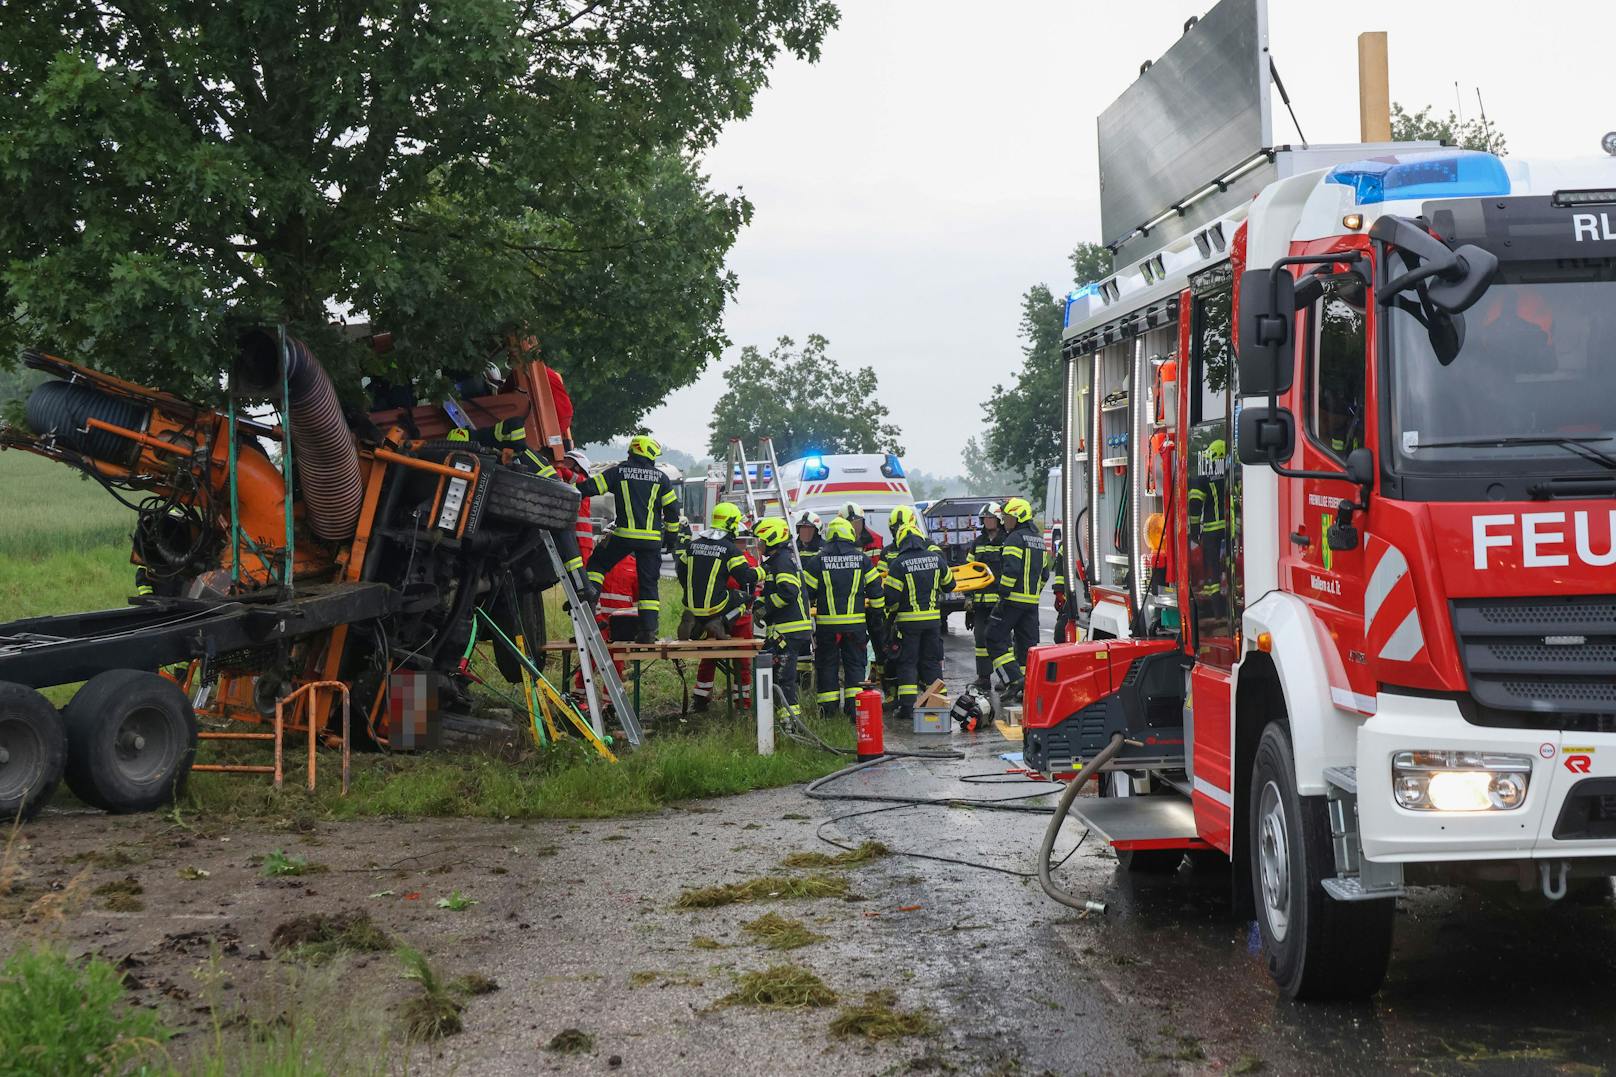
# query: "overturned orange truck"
360,562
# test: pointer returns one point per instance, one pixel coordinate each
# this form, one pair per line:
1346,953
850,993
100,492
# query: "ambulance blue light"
1072,298
814,469
1433,174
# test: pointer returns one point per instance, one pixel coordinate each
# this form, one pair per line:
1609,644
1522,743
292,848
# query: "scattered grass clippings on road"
778,933
106,858
456,902
121,895
1247,1064
571,1041
318,936
704,942
279,864
764,888
780,987
435,1011
474,983
878,1018
867,851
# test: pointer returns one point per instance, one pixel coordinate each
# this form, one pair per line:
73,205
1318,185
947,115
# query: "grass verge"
60,1016
764,888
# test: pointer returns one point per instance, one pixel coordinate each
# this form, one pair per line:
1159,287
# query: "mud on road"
578,925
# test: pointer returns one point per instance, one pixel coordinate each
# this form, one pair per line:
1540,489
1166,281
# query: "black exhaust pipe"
322,445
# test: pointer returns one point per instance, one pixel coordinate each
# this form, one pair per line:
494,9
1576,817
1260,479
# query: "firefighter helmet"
644,445
725,517
1018,510
460,433
807,518
994,510
972,710
772,531
839,528
580,461
901,517
852,511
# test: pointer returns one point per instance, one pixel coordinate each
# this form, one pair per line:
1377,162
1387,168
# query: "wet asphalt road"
1480,982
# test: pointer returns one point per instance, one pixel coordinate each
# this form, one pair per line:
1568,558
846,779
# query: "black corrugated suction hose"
322,445
61,408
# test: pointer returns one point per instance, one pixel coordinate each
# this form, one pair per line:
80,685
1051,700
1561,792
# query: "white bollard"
763,701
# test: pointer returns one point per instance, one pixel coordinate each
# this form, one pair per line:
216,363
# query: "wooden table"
722,651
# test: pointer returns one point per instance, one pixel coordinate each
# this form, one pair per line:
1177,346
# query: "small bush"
435,1012
68,1018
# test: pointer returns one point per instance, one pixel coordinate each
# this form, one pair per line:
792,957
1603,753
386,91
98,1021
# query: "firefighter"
1013,627
1207,524
783,607
512,434
847,591
643,493
917,576
866,540
985,549
706,565
809,539
1065,608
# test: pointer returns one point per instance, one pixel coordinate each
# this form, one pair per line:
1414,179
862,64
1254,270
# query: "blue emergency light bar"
1430,174
814,469
1071,300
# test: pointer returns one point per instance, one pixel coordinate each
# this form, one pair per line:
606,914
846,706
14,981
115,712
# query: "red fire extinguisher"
871,743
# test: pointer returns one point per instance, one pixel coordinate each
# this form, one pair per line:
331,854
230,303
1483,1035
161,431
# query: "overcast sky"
941,158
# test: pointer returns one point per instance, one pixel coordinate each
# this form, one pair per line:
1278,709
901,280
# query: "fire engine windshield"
1531,391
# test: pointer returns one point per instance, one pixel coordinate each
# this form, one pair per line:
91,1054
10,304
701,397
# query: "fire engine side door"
1333,418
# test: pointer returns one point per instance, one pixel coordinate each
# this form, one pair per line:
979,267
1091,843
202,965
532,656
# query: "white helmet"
809,519
852,511
579,460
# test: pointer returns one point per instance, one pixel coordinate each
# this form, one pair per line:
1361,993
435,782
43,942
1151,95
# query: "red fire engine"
1375,645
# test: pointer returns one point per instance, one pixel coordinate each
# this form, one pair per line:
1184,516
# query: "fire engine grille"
1589,811
1544,657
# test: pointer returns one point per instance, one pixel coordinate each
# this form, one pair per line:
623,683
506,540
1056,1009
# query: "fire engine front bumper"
1569,808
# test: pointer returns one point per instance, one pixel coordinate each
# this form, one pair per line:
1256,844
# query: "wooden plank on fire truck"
1127,820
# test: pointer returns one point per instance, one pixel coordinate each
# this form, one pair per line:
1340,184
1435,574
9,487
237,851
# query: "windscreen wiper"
1580,445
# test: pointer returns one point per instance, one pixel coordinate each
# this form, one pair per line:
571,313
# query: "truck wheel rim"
1273,861
22,757
143,747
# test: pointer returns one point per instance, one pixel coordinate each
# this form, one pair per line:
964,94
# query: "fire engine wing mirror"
1457,278
1265,436
1267,331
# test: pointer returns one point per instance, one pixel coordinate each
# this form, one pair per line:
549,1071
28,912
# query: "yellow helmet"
839,528
1018,510
772,531
460,433
644,445
725,517
901,517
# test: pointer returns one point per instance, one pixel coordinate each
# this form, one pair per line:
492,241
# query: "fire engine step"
1129,821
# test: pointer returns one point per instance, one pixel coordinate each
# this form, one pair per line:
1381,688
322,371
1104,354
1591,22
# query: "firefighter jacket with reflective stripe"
917,576
706,564
785,602
643,494
1206,505
1025,568
987,550
843,584
809,552
1060,570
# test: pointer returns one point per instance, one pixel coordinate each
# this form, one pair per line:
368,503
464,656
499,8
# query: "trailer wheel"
531,499
131,739
1315,946
33,751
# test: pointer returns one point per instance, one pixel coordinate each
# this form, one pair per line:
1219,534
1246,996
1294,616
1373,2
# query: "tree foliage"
1025,425
445,169
1424,125
802,399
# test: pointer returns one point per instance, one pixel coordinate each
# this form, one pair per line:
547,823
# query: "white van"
823,484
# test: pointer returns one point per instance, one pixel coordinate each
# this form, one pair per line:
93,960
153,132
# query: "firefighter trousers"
647,554
920,657
1012,631
839,665
980,615
786,651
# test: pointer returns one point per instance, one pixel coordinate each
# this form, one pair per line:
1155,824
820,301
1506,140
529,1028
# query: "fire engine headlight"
1460,781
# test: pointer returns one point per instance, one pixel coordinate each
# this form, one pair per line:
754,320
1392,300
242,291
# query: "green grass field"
66,548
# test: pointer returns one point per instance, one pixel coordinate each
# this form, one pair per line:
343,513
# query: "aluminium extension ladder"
594,657
755,496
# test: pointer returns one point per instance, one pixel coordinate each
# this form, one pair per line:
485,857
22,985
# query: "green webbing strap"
286,452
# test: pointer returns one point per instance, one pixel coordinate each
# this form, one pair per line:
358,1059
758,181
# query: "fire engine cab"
1348,454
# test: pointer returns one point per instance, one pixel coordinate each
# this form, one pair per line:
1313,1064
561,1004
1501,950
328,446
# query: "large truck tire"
131,739
33,751
1315,947
531,499
529,609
